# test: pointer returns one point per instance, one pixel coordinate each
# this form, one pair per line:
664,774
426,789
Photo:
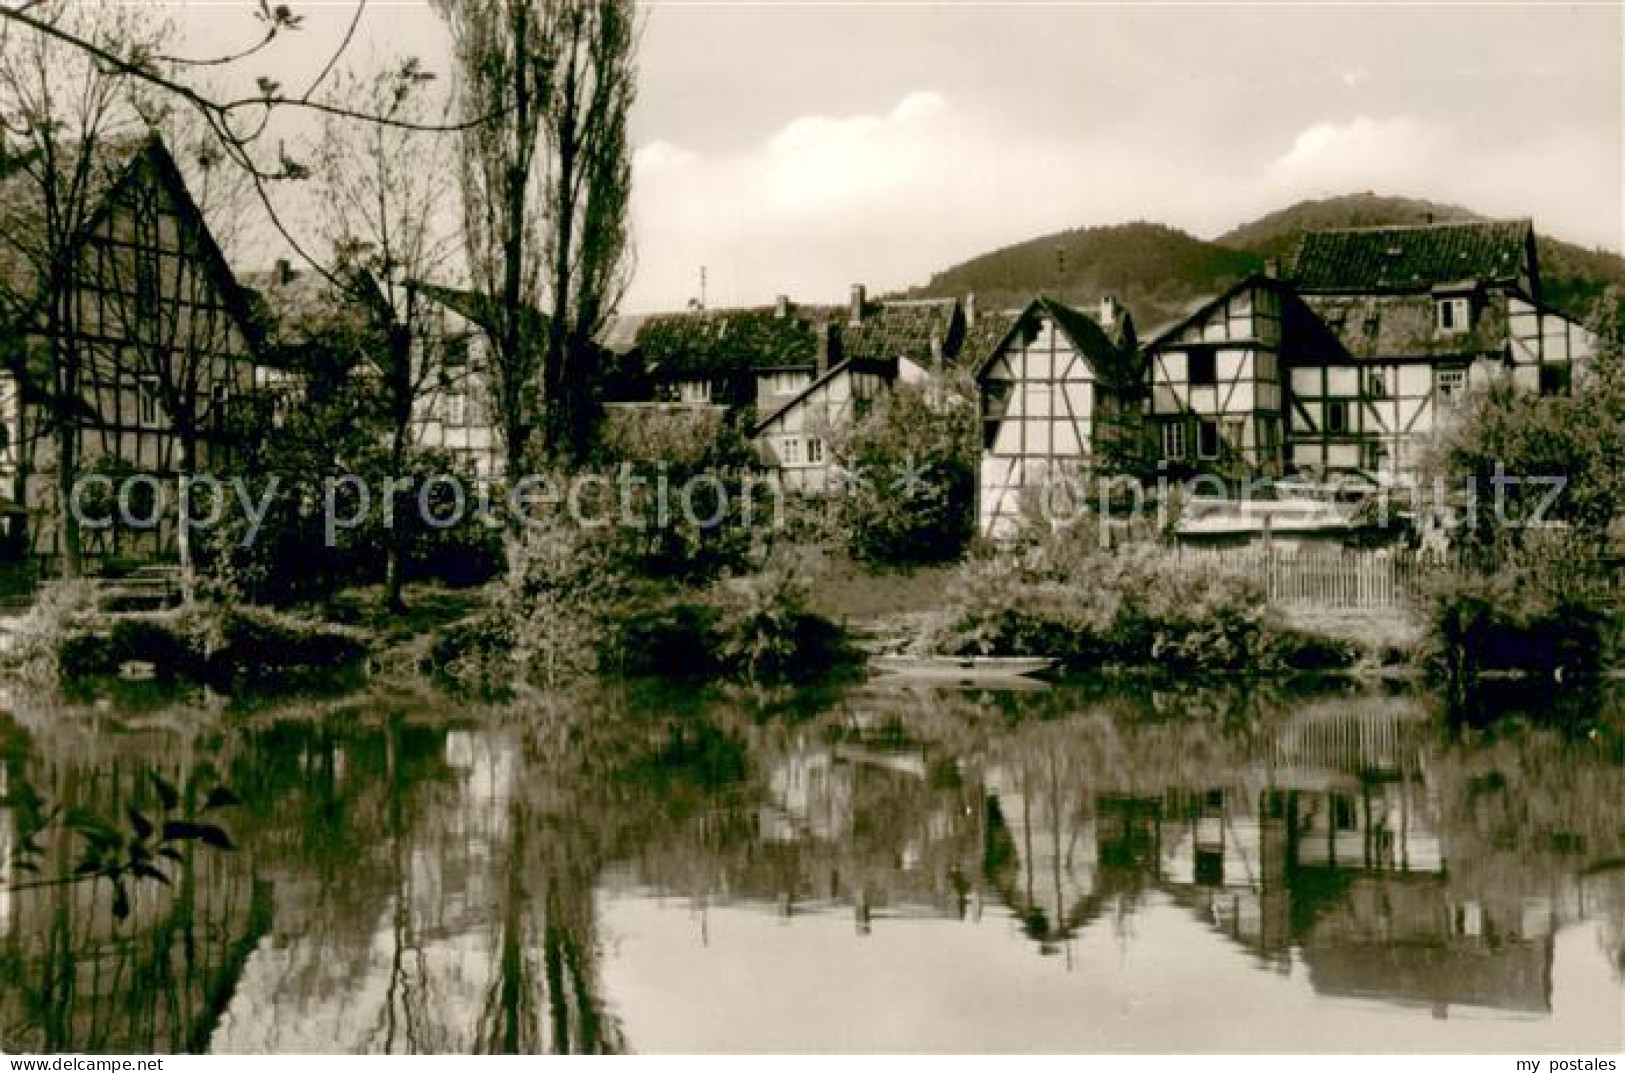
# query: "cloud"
889,196
882,198
1363,152
1567,180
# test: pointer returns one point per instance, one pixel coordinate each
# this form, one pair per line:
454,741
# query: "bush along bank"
1135,607
574,605
1540,612
64,640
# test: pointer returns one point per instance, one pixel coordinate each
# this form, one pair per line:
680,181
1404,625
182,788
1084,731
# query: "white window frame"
1449,384
1173,441
694,392
815,451
1452,316
790,450
454,407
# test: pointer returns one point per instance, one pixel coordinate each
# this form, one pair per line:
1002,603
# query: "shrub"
1536,612
62,610
208,644
915,460
756,629
1138,605
767,634
664,452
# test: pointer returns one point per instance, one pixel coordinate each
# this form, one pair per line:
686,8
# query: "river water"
1078,868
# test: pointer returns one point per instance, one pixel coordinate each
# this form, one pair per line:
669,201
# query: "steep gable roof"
124,163
1414,258
1109,360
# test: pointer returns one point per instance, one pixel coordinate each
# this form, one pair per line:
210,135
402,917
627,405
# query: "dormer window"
1453,315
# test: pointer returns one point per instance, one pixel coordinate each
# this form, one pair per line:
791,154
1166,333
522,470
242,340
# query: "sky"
800,148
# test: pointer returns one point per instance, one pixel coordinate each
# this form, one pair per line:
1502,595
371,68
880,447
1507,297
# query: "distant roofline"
1525,221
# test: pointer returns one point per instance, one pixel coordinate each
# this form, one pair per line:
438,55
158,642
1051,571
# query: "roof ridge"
1514,221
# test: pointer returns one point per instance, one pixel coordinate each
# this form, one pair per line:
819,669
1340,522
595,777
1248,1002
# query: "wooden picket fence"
1322,577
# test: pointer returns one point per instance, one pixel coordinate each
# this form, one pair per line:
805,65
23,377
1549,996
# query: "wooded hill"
1158,270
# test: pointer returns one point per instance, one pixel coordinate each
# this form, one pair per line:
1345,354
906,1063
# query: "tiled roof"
1392,326
1412,258
708,342
295,305
984,333
905,329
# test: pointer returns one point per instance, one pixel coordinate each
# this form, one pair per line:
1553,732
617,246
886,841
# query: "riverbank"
1130,611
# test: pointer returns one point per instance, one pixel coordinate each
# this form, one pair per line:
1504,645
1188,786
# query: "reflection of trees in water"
76,976
408,887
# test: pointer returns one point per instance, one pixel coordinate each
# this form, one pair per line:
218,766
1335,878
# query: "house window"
149,400
1337,417
694,392
790,450
1235,433
1449,384
1173,441
1376,383
1203,368
1207,439
1453,315
454,407
786,383
1554,379
815,451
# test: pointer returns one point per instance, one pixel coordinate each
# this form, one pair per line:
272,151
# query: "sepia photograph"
812,527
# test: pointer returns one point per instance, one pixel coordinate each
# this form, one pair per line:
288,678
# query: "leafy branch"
137,849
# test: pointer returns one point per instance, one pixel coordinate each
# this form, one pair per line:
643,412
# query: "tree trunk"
395,538
183,512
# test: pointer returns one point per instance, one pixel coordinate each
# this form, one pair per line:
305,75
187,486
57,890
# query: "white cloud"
885,198
1363,152
882,198
1569,182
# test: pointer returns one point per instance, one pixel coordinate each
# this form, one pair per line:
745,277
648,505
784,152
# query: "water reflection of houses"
879,829
1315,844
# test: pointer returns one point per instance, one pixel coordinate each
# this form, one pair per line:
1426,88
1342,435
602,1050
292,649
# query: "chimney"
282,274
826,344
970,310
859,296
781,306
1272,269
1108,312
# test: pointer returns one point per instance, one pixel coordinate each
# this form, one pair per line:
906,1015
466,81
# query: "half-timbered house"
1355,362
1215,396
148,354
1420,315
455,412
1060,401
876,345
